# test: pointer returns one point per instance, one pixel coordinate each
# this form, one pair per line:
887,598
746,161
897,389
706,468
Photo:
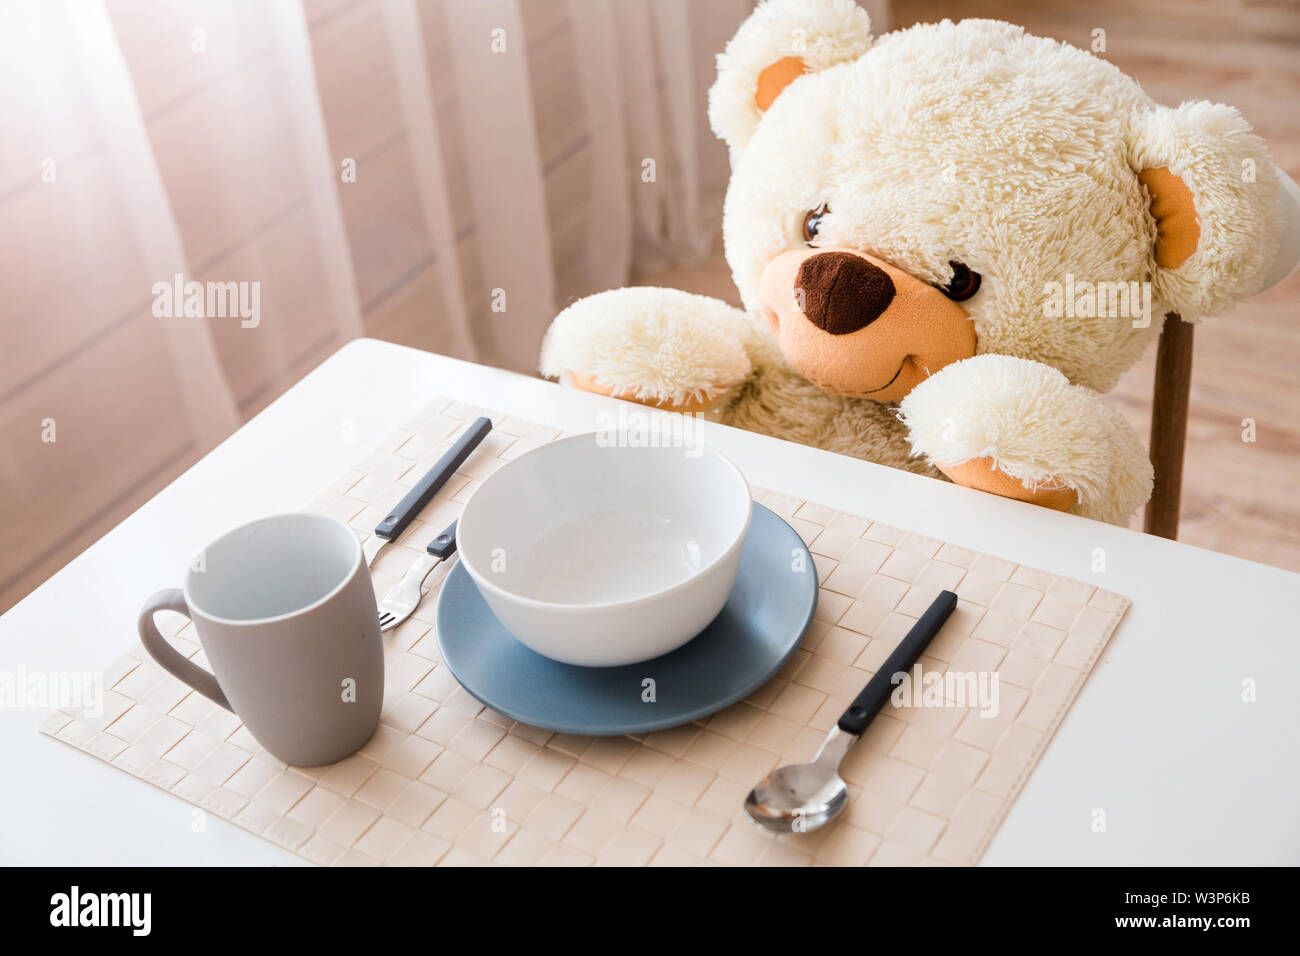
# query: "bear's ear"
780,42
1226,225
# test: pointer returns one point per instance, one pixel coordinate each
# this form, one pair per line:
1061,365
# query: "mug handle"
170,659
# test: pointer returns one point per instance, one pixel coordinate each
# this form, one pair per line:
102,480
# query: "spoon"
802,797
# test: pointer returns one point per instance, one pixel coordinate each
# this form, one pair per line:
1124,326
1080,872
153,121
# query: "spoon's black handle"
873,696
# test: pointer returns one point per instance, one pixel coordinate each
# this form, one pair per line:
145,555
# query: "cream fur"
1036,426
657,344
821,34
975,142
1211,149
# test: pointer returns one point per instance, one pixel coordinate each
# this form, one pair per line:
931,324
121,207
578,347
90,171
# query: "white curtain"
442,173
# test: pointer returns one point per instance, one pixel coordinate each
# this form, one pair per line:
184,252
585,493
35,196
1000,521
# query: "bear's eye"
965,283
812,222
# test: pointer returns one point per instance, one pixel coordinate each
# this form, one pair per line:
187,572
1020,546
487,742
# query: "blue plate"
759,627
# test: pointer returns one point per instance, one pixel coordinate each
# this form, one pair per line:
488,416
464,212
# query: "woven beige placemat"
448,781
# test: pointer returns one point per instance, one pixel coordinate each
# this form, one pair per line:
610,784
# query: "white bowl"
598,555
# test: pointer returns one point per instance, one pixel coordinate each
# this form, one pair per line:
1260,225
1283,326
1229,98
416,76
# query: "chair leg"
1169,425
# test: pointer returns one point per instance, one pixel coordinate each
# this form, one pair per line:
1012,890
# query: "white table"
1160,739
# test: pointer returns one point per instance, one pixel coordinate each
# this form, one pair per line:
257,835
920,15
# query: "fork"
401,602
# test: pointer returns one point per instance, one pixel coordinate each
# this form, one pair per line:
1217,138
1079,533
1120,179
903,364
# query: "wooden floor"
1239,498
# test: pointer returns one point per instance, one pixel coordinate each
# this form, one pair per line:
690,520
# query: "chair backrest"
1169,425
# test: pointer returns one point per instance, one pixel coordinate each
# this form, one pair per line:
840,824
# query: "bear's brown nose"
842,292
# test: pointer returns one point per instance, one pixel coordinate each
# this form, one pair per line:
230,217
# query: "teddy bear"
949,242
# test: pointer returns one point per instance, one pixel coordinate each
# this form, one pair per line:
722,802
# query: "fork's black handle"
435,478
444,546
868,703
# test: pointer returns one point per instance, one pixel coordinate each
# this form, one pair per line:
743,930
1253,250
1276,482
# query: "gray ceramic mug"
286,615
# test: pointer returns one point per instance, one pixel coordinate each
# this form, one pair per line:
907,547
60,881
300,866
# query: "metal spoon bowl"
802,796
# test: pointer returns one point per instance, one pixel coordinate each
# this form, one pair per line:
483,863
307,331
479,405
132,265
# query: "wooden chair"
1169,425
